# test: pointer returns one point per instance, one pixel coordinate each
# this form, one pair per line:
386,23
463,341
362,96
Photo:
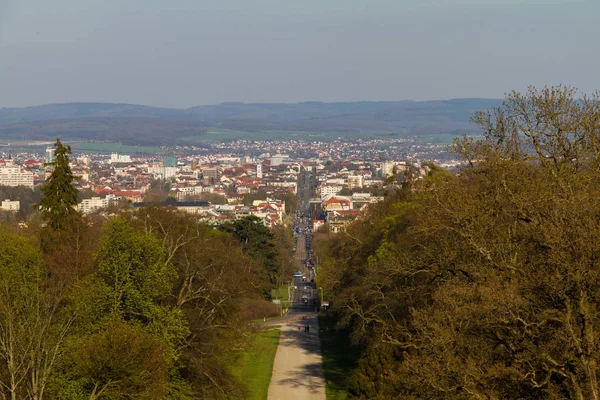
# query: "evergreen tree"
59,196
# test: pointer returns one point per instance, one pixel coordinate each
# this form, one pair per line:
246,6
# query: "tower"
49,155
259,173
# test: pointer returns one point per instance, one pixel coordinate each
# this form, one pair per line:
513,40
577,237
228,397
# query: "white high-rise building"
387,169
16,176
49,155
259,172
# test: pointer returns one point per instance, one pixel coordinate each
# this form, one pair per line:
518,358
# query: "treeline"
147,305
483,284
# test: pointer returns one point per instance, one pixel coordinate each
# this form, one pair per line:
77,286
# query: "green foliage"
339,357
485,284
59,196
258,242
122,361
135,278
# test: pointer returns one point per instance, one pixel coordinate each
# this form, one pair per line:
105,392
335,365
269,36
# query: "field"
255,367
219,134
83,147
339,358
109,147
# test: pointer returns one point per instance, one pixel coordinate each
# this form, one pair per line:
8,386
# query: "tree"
214,277
33,327
59,196
136,278
486,284
122,361
258,242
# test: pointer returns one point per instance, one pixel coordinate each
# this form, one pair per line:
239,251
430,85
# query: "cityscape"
235,179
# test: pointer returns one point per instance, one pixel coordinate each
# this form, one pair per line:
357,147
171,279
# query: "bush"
257,308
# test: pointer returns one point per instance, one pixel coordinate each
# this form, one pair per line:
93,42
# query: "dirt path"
297,371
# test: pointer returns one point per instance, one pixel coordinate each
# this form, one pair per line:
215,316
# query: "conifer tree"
59,196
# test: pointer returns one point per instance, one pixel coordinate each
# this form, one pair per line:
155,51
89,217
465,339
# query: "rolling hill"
137,124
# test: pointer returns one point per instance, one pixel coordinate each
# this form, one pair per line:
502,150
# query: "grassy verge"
255,367
339,358
283,293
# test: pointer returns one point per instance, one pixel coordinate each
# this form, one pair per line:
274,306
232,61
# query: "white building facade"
11,205
16,176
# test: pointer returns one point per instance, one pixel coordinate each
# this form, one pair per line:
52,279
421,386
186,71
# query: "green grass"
106,147
283,293
339,358
255,367
442,138
219,134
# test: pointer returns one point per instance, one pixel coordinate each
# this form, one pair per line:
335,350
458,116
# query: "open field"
108,147
255,367
87,147
339,358
219,134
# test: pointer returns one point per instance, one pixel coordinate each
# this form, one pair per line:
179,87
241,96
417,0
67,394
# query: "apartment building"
16,176
11,205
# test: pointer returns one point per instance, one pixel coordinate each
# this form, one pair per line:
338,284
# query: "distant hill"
130,123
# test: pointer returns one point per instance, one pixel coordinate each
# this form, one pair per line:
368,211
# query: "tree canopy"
483,284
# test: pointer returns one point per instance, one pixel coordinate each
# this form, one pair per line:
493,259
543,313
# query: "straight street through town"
297,370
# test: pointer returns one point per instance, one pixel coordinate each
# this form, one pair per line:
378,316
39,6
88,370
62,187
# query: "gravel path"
297,371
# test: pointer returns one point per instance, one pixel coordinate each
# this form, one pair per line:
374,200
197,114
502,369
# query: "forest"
148,304
485,283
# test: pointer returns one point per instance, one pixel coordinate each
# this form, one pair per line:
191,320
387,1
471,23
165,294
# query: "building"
277,159
162,172
49,155
387,169
95,203
259,171
330,190
16,176
355,182
11,205
210,175
119,158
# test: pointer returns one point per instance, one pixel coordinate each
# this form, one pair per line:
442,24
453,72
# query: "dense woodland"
483,284
148,304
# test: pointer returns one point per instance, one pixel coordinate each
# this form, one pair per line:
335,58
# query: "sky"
183,53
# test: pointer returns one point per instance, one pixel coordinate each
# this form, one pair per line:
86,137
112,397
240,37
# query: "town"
232,180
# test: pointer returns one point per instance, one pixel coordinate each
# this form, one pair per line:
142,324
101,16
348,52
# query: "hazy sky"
180,53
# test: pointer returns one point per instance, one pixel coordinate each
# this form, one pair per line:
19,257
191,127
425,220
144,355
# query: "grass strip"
255,367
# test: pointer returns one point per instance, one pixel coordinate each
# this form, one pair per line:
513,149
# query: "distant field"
220,134
442,138
90,147
106,147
